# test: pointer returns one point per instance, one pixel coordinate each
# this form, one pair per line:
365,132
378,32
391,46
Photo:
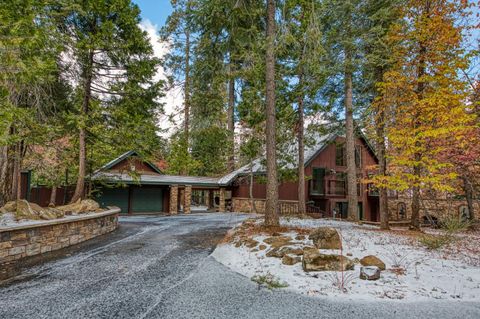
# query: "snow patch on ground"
8,220
428,274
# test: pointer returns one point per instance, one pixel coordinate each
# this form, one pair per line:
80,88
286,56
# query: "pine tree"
115,62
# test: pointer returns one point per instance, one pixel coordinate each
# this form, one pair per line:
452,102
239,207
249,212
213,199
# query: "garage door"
114,197
147,200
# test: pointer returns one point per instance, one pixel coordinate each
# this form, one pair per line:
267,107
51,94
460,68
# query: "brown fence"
41,195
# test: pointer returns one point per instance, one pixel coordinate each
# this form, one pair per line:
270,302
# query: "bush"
269,281
434,242
454,224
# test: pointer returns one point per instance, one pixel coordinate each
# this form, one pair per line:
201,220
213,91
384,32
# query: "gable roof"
320,142
124,156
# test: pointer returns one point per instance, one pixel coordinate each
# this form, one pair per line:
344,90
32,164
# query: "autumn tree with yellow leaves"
425,97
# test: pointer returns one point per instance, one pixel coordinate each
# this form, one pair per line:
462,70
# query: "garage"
117,196
147,200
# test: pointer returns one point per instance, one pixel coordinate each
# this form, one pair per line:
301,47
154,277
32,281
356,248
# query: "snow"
8,220
427,274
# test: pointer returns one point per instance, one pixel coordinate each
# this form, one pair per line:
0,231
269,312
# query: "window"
402,211
464,213
318,181
340,156
358,155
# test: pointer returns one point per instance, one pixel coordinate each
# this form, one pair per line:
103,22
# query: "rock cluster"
23,209
326,238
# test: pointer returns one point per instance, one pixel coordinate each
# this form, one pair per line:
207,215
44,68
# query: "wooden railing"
314,211
288,208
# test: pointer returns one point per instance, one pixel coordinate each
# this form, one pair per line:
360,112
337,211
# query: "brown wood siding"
140,166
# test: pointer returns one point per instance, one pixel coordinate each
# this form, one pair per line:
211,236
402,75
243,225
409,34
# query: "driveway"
159,267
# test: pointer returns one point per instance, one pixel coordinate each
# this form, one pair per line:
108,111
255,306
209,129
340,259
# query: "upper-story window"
318,181
341,155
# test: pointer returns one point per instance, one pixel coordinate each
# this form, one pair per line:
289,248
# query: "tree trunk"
271,205
417,171
468,189
302,207
350,144
82,155
231,120
382,166
53,197
6,175
253,208
17,176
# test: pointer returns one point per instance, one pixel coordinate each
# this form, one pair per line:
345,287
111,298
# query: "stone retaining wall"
243,205
440,208
21,241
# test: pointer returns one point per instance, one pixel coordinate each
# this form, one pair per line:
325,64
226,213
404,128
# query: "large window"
318,181
341,155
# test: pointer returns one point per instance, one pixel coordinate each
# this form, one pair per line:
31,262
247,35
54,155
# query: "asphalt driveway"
159,267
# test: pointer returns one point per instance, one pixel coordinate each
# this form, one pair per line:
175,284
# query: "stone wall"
21,241
243,205
440,208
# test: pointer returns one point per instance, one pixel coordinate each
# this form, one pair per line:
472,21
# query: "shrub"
434,242
269,281
453,224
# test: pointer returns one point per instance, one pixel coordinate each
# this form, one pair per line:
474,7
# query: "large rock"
313,260
280,252
26,210
326,238
371,260
291,260
369,273
81,207
278,241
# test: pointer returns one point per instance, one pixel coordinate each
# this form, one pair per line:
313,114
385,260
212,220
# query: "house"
325,185
138,186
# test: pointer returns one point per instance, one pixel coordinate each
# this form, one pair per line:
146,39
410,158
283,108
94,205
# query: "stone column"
188,199
221,206
173,199
207,198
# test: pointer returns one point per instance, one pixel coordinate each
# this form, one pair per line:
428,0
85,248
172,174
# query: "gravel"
160,267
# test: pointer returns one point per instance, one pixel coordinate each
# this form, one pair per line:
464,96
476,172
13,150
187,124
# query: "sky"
154,13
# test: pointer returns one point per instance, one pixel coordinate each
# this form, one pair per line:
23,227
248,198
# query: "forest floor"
413,271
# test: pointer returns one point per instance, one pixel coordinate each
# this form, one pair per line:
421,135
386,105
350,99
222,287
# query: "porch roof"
148,179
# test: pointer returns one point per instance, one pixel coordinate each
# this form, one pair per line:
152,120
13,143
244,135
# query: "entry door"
147,200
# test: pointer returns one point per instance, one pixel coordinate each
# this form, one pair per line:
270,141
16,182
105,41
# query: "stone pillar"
221,206
173,200
207,198
188,199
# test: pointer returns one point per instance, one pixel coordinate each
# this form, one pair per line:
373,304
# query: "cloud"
173,99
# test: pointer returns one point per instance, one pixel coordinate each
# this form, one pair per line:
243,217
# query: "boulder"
278,241
313,260
32,211
9,207
280,252
291,260
80,207
262,247
371,260
326,238
370,273
250,243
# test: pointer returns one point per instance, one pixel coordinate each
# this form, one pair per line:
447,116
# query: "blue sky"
156,11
